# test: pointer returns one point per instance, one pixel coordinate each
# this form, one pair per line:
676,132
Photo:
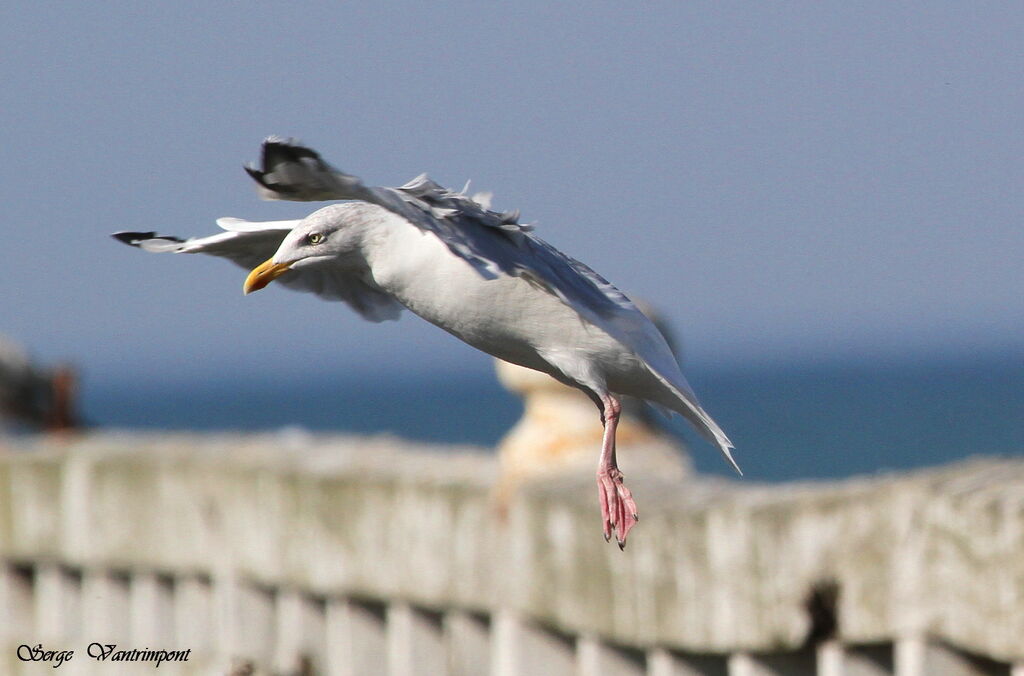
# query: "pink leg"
618,509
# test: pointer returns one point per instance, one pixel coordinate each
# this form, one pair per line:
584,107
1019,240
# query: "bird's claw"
618,509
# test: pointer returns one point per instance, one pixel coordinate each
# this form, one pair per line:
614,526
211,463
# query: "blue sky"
782,182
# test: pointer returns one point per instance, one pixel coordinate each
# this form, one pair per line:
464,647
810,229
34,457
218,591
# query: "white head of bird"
330,235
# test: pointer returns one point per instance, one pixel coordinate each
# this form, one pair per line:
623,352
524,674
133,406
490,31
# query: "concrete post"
105,606
356,641
146,609
289,630
415,641
917,656
467,639
594,658
227,637
521,649
194,618
48,602
17,612
830,659
255,621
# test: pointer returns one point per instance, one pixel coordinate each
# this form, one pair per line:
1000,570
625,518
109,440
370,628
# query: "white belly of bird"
506,317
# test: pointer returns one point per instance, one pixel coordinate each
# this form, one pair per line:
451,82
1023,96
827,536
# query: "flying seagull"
480,275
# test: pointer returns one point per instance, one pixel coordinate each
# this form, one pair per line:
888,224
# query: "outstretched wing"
248,244
244,243
494,243
289,171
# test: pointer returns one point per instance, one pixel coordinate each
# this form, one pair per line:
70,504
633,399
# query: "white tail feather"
686,405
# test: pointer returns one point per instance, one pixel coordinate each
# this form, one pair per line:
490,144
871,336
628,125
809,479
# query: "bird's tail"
685,403
710,430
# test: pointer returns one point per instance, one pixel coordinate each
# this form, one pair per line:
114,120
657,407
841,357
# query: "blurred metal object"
34,397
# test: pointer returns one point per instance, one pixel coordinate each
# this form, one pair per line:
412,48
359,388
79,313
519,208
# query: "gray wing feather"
493,243
290,171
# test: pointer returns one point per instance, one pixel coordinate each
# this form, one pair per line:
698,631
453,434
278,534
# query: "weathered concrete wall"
714,566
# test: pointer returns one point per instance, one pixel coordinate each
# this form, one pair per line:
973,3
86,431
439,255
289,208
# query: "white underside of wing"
232,224
250,243
246,243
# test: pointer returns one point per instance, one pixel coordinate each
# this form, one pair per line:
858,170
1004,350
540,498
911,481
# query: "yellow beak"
264,274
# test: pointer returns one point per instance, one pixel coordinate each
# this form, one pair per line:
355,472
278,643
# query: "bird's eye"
314,238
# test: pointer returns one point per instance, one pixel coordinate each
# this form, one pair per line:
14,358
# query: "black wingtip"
260,176
135,238
256,175
132,238
278,148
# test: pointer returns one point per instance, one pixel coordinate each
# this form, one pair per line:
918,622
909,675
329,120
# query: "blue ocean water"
788,422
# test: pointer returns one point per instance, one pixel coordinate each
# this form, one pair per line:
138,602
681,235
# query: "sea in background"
813,421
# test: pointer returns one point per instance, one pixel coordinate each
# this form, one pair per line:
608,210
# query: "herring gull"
480,275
